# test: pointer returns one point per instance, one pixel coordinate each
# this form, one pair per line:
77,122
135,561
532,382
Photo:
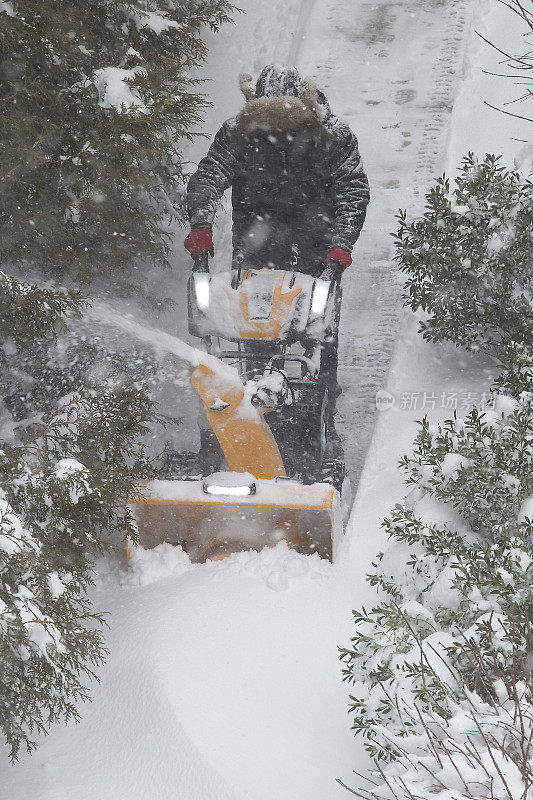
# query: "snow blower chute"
253,482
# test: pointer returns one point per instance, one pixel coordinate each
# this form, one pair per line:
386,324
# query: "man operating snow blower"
269,466
299,189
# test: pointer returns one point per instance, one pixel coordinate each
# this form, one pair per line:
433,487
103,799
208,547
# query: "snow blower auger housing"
261,474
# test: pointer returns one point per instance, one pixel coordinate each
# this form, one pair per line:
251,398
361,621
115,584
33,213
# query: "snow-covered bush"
517,374
469,259
95,100
442,666
64,476
480,751
482,465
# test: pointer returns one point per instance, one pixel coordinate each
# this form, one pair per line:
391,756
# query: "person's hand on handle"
200,240
336,261
199,243
201,262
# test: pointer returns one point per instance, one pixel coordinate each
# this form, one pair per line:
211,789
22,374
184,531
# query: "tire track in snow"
396,88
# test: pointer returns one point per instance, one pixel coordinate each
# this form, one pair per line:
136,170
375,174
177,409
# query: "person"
299,188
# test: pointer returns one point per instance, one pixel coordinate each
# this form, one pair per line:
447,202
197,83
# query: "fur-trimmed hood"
284,113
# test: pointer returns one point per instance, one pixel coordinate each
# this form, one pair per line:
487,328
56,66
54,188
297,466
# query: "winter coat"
298,183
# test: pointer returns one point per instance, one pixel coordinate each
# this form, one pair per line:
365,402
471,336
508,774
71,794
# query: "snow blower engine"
262,473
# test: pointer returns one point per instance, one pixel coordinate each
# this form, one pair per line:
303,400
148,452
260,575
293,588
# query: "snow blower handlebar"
201,262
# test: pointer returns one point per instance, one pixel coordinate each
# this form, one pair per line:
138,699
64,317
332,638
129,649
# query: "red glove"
335,263
199,240
340,255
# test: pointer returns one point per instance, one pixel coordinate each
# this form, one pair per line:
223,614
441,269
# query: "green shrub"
469,260
442,665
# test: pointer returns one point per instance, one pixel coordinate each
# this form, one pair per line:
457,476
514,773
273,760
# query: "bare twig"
509,114
514,59
357,794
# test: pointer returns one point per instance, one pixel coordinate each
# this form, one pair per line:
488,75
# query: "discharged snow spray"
161,341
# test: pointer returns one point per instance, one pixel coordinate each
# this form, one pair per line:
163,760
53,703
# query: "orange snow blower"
253,483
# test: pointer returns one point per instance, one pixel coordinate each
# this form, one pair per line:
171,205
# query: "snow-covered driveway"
223,681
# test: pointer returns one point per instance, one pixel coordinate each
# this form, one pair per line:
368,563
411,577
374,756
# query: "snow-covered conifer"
65,474
95,99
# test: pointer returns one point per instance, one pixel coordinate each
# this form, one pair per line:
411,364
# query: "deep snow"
223,680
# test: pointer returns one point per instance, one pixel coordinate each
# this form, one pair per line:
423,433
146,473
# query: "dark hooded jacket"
298,183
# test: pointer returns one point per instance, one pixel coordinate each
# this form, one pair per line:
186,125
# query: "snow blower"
253,482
